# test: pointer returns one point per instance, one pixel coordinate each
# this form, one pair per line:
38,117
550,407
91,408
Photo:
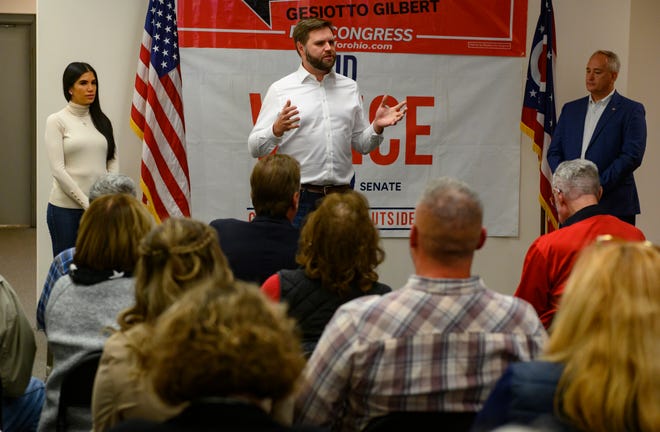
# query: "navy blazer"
524,395
259,248
616,147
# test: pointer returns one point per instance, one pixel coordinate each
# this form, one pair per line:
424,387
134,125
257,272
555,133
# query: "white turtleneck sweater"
76,154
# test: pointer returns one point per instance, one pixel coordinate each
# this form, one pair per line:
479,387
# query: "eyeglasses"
552,197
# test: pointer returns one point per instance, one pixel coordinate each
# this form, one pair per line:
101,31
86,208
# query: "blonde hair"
607,335
175,257
223,343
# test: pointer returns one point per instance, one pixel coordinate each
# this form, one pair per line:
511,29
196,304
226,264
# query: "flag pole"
538,117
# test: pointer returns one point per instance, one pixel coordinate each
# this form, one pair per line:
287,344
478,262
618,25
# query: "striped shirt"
434,345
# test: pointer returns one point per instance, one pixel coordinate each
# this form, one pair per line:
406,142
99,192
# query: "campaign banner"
470,27
462,121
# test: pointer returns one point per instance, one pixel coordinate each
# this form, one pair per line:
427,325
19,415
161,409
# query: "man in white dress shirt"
316,116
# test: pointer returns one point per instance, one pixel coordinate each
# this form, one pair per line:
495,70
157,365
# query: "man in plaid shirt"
437,344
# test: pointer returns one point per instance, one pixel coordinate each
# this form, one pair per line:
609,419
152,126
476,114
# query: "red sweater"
550,259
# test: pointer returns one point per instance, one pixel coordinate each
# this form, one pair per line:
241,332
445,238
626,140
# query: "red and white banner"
473,27
463,110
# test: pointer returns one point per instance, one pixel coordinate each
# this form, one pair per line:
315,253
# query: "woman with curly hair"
175,257
338,252
228,354
600,370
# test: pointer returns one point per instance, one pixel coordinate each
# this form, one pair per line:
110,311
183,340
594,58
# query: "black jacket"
312,305
258,249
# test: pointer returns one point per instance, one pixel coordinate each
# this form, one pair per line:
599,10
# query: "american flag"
157,115
538,113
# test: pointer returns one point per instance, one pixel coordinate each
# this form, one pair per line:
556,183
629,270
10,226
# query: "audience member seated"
339,251
106,184
22,394
87,300
437,344
229,354
257,249
576,191
600,371
174,257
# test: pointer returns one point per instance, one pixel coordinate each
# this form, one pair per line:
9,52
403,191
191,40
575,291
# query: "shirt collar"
267,219
603,101
78,110
582,214
446,286
303,74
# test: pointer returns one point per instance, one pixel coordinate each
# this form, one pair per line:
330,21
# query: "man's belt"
324,189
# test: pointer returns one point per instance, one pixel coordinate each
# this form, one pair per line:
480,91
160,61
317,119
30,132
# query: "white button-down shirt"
594,111
332,121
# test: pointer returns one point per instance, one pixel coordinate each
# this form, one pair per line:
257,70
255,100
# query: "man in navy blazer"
269,242
609,130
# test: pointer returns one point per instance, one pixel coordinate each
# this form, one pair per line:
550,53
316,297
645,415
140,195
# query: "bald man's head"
449,220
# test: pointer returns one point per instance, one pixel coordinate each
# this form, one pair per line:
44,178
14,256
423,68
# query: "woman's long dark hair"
102,123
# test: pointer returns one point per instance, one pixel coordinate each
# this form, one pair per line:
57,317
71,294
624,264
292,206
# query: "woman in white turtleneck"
81,147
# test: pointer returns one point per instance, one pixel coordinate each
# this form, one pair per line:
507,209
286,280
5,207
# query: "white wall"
107,35
644,57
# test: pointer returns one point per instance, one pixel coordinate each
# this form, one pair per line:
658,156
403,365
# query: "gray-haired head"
449,219
575,178
613,62
112,183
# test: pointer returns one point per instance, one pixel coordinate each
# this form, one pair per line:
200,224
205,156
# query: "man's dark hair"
305,26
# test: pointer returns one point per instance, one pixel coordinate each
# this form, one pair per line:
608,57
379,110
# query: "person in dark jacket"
600,370
339,252
608,129
267,243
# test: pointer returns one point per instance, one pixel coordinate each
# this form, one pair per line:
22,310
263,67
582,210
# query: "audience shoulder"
228,223
360,309
520,315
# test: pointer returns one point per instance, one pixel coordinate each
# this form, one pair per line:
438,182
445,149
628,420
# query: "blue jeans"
307,203
22,414
63,227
